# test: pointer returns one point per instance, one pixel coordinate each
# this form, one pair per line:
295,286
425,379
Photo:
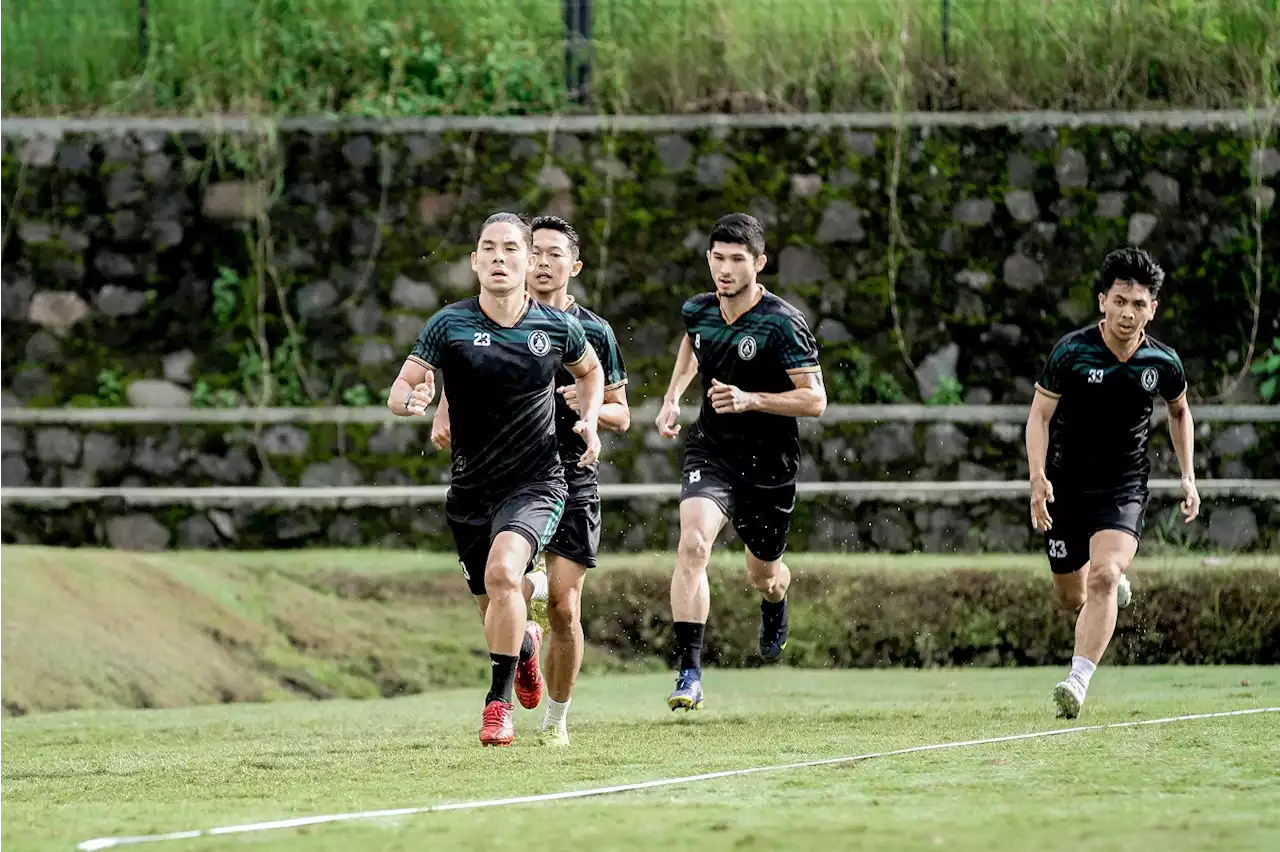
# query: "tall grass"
408,57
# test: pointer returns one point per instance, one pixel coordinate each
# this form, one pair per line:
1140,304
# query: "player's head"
503,253
555,255
735,253
1128,286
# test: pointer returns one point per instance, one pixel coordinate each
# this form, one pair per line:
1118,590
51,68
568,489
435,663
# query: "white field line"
299,822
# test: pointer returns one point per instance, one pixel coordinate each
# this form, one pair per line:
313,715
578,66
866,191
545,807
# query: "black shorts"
533,511
578,537
1077,516
761,514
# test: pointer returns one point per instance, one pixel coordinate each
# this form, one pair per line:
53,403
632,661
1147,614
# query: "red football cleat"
496,728
528,674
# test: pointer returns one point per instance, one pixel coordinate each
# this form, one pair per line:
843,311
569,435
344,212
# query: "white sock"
1082,668
538,580
555,713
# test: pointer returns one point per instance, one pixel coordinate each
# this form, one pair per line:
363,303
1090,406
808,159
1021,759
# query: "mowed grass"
1207,784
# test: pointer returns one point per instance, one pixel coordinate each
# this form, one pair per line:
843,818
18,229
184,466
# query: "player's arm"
415,386
686,368
581,360
615,413
807,399
1183,431
441,435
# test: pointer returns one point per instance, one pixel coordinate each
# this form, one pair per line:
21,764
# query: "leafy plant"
948,392
226,288
110,388
357,395
1268,366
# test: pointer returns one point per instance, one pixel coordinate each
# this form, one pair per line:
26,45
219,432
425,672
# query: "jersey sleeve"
689,314
797,347
615,371
1053,379
429,348
1173,380
575,343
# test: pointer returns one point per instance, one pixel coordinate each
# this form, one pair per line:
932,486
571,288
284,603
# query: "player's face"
733,268
553,263
1127,308
501,259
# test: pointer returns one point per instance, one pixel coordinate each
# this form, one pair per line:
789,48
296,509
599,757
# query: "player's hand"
727,399
1190,499
1041,497
669,419
570,394
441,438
592,437
421,396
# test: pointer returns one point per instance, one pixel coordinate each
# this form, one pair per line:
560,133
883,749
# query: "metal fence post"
577,46
144,32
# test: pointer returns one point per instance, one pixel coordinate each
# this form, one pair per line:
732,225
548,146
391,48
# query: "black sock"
526,648
504,678
772,607
689,641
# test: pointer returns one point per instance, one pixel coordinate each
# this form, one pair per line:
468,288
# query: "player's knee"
1104,575
563,612
501,578
765,576
1071,599
694,551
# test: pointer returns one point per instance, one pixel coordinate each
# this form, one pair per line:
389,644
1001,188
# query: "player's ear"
475,267
761,262
708,257
1154,305
575,269
1102,303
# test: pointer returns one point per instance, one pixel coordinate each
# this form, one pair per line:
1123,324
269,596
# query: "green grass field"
1208,784
415,57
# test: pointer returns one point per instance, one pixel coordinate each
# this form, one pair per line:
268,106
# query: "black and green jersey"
499,383
758,353
583,480
1100,430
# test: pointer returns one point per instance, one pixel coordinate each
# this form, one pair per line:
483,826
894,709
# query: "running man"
499,353
759,367
1087,438
572,550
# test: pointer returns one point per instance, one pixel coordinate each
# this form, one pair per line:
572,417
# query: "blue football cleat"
688,694
774,630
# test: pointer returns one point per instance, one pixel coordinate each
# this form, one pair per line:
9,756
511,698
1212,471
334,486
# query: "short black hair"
511,219
555,223
1131,264
738,229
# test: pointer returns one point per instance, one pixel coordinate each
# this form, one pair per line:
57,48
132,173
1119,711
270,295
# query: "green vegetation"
1205,784
101,629
426,57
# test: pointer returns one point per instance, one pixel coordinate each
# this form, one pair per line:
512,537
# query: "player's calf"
771,579
504,626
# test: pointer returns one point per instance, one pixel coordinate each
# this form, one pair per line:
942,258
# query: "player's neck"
505,310
1122,349
559,299
733,307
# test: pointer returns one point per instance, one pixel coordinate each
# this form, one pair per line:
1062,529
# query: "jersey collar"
1142,339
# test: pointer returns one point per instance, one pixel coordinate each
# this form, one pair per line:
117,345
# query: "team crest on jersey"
539,343
747,348
1149,379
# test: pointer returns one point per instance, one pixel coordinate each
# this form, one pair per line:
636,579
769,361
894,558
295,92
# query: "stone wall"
398,453
169,264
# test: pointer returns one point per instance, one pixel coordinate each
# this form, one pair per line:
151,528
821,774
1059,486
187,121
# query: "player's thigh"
706,502
523,524
762,519
471,537
1067,544
577,538
565,579
1112,551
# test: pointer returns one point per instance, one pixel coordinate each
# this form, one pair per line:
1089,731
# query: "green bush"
922,619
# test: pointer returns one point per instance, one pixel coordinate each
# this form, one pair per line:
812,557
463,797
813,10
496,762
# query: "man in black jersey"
759,367
499,353
1087,439
572,550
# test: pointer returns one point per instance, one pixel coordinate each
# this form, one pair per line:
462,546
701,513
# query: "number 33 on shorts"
1057,549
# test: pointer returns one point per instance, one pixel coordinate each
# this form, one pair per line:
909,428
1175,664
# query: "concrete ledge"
520,125
641,415
945,493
